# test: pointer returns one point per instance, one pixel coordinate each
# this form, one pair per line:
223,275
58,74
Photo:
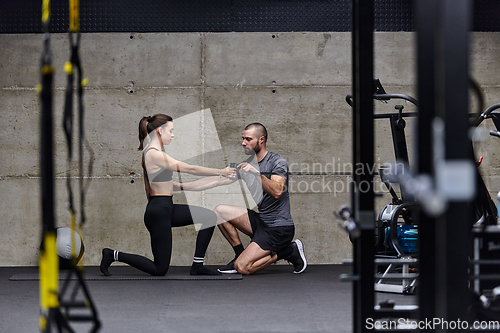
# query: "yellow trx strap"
49,278
45,11
74,20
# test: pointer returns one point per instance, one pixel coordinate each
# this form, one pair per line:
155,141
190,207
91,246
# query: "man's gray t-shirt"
274,212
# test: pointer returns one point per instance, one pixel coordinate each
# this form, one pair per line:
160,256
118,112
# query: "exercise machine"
395,229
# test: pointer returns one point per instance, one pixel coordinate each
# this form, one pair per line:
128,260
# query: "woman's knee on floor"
161,271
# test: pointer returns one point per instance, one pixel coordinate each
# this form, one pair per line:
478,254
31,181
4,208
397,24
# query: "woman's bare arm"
163,160
203,183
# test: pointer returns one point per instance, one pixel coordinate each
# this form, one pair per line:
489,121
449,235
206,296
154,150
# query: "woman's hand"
225,181
228,172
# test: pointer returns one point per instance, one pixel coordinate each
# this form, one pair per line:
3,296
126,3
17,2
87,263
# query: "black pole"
426,25
453,229
363,159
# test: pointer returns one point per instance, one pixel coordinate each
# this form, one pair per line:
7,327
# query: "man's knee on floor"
242,267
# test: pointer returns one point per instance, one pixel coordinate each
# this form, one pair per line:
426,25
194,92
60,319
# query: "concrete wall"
294,83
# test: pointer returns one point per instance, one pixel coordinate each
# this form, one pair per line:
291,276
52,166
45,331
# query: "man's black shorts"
271,239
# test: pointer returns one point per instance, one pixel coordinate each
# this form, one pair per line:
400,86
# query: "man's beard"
254,151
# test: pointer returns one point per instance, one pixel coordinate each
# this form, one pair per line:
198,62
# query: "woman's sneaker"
297,258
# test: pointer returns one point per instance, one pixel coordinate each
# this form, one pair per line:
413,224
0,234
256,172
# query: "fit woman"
161,213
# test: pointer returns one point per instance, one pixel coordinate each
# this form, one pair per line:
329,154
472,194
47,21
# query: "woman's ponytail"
143,132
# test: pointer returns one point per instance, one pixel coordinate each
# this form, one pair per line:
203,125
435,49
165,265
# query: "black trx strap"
68,131
69,300
70,67
49,263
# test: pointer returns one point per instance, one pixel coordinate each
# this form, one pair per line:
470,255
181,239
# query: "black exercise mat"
100,277
127,273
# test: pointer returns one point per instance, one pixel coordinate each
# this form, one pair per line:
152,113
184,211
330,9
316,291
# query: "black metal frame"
453,228
426,22
363,155
442,67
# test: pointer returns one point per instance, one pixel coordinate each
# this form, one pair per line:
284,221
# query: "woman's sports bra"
162,175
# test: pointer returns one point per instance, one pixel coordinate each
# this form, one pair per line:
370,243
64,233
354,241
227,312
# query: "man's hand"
248,168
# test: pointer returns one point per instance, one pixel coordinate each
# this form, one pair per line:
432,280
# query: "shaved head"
259,129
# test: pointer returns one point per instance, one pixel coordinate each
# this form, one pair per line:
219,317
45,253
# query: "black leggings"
160,217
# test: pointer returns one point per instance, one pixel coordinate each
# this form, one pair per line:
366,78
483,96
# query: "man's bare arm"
273,186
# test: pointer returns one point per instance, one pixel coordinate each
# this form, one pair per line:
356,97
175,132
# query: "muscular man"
272,228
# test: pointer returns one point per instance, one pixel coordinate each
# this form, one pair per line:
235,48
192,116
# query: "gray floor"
274,300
